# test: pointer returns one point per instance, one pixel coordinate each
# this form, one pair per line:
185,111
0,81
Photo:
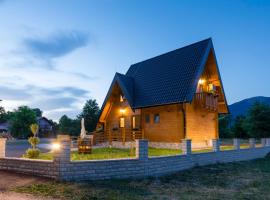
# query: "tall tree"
38,112
21,119
257,123
238,130
90,114
3,115
224,125
69,126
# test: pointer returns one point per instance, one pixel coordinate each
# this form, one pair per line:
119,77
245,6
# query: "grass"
242,180
111,153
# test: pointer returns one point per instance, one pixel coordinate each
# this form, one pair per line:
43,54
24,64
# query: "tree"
224,125
238,129
257,123
3,115
38,112
69,126
21,119
90,114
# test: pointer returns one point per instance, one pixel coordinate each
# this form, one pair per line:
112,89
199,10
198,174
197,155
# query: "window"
121,98
147,118
156,118
136,122
122,122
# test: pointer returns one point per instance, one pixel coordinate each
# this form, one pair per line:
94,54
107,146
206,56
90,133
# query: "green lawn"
111,153
242,180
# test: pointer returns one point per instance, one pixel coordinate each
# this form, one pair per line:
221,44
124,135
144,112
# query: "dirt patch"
9,180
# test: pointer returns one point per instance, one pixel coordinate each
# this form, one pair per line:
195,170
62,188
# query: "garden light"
55,146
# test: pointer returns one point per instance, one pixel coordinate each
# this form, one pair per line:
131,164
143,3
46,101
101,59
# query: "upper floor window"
147,118
156,118
121,98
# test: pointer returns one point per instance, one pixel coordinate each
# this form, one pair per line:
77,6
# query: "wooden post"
110,137
123,136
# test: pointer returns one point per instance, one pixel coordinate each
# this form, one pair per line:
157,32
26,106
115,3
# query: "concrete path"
10,180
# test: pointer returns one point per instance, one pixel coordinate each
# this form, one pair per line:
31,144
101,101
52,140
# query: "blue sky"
57,54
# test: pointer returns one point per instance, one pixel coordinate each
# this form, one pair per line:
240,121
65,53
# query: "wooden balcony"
207,101
120,135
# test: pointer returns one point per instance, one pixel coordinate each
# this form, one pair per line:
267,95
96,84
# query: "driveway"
10,180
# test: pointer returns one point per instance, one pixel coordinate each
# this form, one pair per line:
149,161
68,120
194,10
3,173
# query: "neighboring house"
46,127
176,95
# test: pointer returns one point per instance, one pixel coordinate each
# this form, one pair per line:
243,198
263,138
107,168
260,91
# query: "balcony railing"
207,101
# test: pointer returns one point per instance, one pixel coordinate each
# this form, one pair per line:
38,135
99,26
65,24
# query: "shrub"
32,153
34,141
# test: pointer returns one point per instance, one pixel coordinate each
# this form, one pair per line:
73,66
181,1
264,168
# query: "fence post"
267,141
263,142
142,149
3,147
186,146
216,145
236,143
61,155
251,142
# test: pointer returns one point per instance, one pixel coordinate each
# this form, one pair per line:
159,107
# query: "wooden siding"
170,127
201,125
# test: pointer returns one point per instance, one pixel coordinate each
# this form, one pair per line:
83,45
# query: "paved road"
10,180
17,148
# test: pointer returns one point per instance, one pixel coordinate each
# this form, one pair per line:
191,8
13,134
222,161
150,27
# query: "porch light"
122,111
201,81
55,146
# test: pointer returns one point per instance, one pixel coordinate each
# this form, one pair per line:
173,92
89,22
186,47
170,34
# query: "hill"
241,107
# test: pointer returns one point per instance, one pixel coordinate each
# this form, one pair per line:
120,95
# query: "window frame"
147,118
158,117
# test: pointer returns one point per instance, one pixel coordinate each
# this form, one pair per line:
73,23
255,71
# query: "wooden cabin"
174,96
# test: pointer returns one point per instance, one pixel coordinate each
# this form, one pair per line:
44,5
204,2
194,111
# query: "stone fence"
62,168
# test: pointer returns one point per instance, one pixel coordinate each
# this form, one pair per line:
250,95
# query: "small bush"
33,141
32,153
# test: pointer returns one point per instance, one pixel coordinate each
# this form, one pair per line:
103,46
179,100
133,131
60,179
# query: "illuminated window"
122,122
121,98
156,118
147,118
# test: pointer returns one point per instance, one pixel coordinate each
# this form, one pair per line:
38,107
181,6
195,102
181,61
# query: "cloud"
53,101
10,93
56,45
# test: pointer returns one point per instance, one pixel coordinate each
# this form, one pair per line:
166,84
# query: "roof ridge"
171,51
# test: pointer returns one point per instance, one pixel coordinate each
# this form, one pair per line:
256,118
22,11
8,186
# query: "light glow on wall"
201,81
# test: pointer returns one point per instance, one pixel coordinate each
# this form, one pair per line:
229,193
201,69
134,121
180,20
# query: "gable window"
122,122
121,98
156,118
147,118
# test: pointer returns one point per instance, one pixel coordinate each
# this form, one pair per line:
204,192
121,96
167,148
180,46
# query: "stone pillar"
251,142
263,142
3,147
186,146
267,141
142,149
62,154
236,143
216,145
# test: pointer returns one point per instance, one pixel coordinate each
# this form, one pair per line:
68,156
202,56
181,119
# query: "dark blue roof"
169,78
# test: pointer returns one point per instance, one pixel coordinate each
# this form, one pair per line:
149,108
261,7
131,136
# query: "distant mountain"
241,107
